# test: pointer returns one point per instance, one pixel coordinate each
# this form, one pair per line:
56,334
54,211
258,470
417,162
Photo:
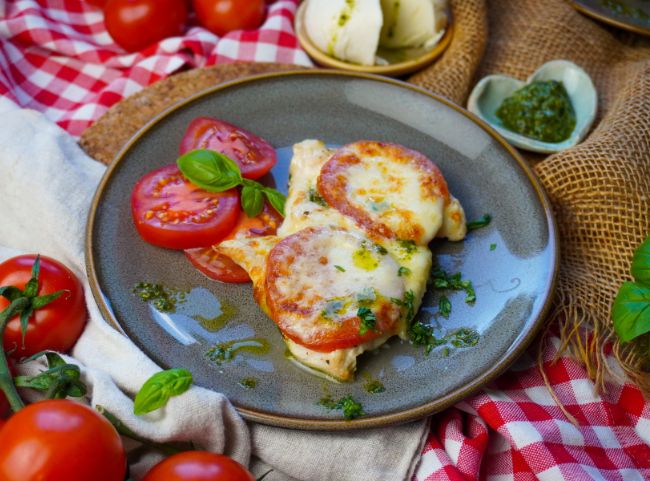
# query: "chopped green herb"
482,222
442,280
351,408
464,337
316,198
493,247
340,268
444,306
407,302
403,271
422,335
368,320
381,249
374,386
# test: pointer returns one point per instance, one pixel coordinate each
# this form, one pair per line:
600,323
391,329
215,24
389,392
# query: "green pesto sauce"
226,351
620,8
162,298
374,386
213,324
343,19
351,409
540,110
248,383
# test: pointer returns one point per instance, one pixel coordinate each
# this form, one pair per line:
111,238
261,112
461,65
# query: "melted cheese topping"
301,287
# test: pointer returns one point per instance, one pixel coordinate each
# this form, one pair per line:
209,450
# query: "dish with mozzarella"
348,266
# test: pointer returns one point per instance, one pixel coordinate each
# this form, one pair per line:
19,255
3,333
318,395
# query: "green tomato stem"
122,429
6,380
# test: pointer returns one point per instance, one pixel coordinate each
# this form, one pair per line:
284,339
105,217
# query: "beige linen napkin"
46,189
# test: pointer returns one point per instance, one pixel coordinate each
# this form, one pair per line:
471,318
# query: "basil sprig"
215,172
157,390
631,309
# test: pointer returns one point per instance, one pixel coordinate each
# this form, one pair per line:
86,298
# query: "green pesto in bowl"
541,110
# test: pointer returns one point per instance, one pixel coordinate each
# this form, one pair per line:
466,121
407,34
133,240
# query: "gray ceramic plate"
633,15
512,262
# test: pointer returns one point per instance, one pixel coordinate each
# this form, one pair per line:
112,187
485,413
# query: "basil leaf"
210,170
641,263
252,200
276,199
157,390
631,311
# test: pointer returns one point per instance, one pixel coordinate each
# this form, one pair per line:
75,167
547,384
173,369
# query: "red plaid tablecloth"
56,57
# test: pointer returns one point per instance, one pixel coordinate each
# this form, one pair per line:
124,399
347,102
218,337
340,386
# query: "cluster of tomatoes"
60,439
136,24
171,212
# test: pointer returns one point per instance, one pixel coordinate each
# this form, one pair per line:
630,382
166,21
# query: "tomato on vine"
52,321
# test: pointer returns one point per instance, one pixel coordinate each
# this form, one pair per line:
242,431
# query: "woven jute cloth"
600,189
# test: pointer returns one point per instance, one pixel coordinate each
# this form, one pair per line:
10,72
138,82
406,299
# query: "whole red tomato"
59,440
223,16
136,24
58,325
198,466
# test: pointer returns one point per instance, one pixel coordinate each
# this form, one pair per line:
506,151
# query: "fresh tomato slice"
169,211
219,266
254,155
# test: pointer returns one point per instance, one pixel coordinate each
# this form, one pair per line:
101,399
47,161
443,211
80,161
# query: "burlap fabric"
600,189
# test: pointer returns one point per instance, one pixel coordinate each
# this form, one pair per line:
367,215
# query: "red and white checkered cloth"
56,57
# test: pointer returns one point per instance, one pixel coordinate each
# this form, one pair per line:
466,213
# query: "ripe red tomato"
219,266
58,325
254,156
136,24
60,440
171,212
97,3
223,16
198,466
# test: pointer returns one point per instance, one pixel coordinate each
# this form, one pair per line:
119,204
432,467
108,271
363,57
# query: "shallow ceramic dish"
632,15
491,91
512,262
400,61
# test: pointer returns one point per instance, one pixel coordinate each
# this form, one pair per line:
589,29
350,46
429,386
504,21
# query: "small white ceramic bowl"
487,95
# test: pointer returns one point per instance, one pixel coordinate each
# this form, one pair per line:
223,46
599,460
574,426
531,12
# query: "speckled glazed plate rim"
608,19
529,331
395,69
